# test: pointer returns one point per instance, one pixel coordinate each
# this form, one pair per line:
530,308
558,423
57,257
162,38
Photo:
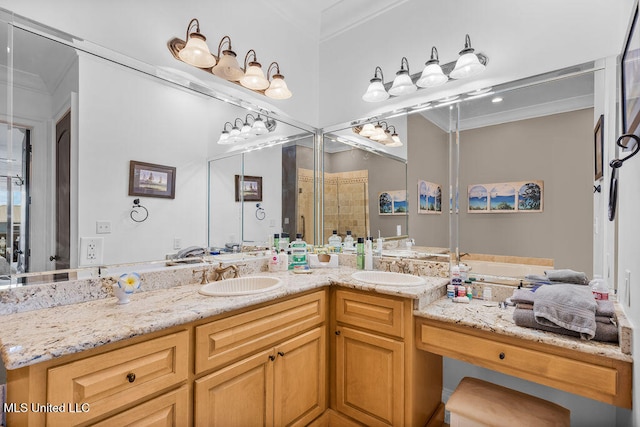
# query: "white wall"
147,122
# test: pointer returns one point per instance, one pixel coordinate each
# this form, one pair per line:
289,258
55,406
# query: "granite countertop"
487,316
36,336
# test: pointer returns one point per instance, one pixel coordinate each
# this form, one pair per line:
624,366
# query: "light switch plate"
103,227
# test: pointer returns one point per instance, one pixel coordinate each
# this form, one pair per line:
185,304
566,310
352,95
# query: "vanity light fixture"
376,91
246,131
253,78
432,75
402,84
468,64
194,51
382,134
367,130
278,88
227,66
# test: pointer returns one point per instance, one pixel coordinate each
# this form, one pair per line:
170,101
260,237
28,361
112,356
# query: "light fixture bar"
446,69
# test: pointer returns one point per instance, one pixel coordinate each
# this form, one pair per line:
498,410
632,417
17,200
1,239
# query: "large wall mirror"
75,121
526,150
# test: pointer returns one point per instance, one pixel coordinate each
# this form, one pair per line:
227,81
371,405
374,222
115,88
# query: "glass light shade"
432,76
387,137
245,132
379,134
259,127
278,88
375,92
224,138
402,85
395,141
228,67
466,66
368,130
196,52
254,78
234,135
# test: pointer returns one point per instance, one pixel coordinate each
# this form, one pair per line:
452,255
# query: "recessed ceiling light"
496,100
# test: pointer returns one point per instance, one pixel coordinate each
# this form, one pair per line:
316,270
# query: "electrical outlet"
103,227
177,243
91,250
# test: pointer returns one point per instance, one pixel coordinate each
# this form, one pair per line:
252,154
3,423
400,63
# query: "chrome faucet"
221,272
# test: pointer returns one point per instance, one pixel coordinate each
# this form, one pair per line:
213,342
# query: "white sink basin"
385,278
241,286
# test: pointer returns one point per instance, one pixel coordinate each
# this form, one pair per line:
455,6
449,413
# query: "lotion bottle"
368,254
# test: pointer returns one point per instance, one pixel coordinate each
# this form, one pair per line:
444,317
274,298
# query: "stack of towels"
568,309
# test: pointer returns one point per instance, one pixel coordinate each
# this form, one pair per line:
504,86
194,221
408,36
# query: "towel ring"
617,164
260,213
136,204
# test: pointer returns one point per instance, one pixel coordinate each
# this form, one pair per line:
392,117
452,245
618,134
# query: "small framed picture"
250,187
598,147
150,180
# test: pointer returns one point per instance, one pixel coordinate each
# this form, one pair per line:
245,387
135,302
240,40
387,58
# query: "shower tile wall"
346,203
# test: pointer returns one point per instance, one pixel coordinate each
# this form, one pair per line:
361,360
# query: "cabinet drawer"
380,314
170,409
111,380
598,381
226,340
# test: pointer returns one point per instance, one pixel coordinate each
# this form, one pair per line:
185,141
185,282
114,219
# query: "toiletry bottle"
348,242
360,253
274,261
599,288
335,241
276,241
368,254
456,280
283,260
298,252
284,241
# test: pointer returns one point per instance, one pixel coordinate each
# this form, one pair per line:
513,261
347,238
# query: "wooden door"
300,388
240,395
369,377
63,192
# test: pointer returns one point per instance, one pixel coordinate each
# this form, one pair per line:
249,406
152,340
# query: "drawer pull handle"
502,356
337,332
272,358
131,377
280,354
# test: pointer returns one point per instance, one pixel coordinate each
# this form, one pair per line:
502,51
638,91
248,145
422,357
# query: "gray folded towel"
605,308
606,331
523,296
567,276
568,306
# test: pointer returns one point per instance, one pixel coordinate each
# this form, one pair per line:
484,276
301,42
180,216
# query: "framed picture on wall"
598,147
429,197
249,187
392,202
630,79
151,180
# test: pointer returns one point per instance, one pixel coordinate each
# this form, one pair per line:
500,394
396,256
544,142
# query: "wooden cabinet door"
239,395
300,380
369,377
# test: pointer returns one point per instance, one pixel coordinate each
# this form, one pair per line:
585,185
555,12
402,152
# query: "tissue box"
314,262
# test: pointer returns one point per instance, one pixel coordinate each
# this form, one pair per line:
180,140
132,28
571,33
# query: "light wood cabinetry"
379,377
588,375
281,386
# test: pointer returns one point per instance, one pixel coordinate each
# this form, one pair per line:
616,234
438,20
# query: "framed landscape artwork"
151,180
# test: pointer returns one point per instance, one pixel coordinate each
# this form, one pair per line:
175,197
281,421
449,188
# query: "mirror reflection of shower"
15,156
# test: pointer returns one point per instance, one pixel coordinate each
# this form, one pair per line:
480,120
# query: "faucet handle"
204,279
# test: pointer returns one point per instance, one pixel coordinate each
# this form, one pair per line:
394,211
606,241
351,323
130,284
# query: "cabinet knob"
280,354
337,332
502,356
131,377
272,357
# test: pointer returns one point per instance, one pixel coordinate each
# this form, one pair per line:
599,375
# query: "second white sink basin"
241,286
386,278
